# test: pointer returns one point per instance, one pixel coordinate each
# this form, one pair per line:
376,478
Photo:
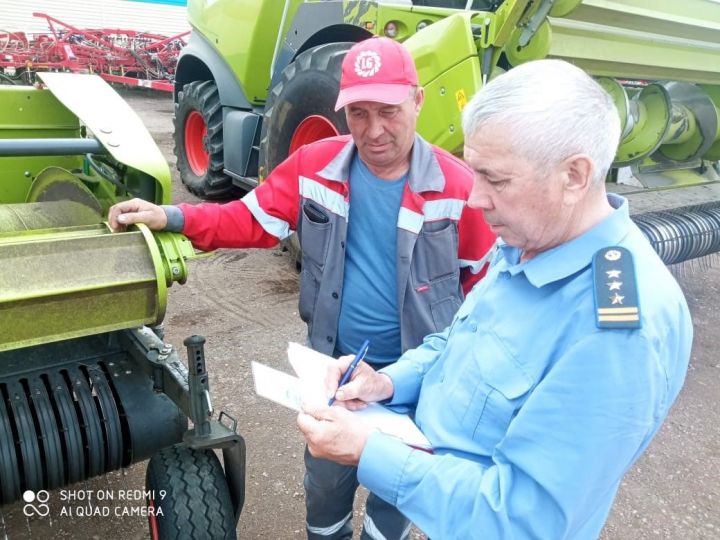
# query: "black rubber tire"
308,86
189,487
203,97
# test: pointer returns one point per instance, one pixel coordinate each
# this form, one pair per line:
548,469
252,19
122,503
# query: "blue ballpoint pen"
362,351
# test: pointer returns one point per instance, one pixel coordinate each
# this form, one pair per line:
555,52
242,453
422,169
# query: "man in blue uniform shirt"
559,367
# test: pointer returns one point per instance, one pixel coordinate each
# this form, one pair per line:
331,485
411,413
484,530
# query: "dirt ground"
245,303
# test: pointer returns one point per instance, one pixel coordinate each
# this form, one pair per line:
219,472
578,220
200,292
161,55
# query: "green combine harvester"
86,386
259,79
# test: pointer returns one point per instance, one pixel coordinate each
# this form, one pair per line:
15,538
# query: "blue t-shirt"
369,299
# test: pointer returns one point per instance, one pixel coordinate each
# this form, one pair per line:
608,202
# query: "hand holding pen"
362,351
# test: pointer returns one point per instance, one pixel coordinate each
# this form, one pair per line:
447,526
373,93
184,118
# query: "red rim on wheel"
312,129
195,132
152,519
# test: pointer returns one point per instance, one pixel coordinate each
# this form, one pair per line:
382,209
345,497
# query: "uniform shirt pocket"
435,255
494,387
314,233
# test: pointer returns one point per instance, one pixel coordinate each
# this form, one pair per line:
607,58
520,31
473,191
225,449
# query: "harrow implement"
117,55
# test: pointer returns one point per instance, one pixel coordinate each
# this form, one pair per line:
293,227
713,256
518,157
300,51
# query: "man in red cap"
392,270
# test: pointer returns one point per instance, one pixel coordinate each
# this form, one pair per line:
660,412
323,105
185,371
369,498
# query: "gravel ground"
245,303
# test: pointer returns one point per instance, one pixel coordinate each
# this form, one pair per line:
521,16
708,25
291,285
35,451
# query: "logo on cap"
367,63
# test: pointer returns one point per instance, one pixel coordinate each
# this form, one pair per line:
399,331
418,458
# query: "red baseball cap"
376,69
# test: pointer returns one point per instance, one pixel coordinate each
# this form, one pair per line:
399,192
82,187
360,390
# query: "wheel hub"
195,136
312,129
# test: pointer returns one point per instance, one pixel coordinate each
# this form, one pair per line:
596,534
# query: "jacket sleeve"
559,463
260,219
476,247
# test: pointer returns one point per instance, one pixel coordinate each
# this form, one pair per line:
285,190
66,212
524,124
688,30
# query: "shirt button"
335,295
330,339
473,327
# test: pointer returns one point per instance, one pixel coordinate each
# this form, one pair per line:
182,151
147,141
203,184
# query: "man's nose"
479,198
376,128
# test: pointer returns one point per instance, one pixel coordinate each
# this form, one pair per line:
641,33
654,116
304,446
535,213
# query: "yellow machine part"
64,274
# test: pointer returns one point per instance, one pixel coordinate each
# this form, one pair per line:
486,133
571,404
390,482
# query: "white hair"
551,110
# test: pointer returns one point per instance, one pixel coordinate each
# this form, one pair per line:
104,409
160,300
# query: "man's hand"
136,211
334,433
365,386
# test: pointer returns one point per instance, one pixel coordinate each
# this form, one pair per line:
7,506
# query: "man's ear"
419,99
578,173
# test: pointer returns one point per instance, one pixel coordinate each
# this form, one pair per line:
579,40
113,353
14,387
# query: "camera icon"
41,508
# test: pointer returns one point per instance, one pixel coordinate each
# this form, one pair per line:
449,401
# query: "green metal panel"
373,16
445,97
30,113
244,33
447,62
113,123
642,39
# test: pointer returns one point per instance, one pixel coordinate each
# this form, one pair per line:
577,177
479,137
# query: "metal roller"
684,233
647,124
66,423
59,282
673,122
694,123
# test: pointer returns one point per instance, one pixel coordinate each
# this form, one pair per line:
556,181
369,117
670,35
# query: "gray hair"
552,110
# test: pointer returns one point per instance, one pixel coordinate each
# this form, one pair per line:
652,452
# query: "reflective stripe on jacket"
443,246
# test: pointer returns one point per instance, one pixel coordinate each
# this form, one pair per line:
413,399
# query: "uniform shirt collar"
571,257
425,173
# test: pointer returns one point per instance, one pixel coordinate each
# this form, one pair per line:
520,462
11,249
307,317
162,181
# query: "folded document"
309,387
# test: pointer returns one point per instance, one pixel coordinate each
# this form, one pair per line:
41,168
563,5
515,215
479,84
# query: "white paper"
394,424
277,386
309,365
309,388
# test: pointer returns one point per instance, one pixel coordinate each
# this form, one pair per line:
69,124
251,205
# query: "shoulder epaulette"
615,289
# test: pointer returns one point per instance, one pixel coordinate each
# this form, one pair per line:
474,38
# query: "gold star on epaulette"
614,285
617,299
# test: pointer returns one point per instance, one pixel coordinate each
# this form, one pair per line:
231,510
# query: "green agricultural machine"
87,384
259,79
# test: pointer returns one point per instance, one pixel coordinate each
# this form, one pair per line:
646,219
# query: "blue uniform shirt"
535,413
369,299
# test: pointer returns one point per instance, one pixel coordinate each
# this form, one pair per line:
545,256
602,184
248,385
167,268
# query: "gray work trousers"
329,493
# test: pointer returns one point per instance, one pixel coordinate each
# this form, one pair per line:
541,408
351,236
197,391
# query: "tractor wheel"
199,140
301,106
189,496
301,109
